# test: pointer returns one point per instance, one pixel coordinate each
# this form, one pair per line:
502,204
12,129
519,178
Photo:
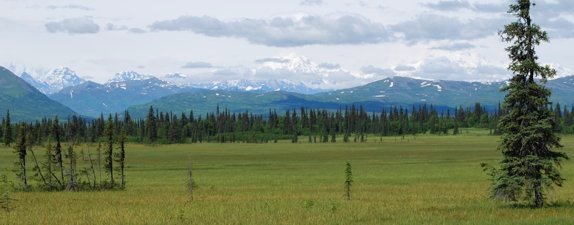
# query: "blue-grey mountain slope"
399,91
92,99
25,102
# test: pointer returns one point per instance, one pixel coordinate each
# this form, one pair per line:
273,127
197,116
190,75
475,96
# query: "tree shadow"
554,204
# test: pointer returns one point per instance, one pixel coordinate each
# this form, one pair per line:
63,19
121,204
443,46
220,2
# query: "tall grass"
422,180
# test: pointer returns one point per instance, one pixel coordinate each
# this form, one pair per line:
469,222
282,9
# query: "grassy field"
427,180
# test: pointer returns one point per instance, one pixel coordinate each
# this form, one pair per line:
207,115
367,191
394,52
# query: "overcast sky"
221,39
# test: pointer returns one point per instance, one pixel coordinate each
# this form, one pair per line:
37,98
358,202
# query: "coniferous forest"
351,124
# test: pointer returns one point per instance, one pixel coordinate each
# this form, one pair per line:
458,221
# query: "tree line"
351,124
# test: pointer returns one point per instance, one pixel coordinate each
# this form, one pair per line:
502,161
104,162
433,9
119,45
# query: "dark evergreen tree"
151,126
530,164
20,150
7,130
121,157
109,150
57,135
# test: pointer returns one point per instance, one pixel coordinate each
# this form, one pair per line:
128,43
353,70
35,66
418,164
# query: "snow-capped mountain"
61,78
291,73
91,98
300,69
129,76
53,81
259,86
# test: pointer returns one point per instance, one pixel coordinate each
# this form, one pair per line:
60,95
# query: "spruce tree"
20,150
5,199
7,130
121,157
109,151
56,134
348,180
151,126
530,164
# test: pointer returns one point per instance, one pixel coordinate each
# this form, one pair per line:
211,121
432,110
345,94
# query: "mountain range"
393,91
125,89
136,92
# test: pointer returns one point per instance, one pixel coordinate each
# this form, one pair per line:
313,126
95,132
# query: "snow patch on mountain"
129,76
256,86
54,80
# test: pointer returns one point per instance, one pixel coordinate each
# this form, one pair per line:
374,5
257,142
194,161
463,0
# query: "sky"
346,42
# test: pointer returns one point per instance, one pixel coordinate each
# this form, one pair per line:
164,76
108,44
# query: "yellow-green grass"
422,180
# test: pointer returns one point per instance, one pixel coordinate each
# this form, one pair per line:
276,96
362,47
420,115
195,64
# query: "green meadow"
410,180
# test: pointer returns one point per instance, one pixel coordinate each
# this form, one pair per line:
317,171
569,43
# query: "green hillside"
24,101
204,101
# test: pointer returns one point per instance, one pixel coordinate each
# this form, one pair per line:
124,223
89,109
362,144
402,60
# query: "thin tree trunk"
37,166
92,167
24,176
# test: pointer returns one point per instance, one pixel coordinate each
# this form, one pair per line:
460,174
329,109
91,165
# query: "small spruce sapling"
5,199
348,180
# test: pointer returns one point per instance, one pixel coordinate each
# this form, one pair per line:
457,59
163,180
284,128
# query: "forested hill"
393,91
25,102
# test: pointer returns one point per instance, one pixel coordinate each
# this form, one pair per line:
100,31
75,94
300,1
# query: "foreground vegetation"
416,180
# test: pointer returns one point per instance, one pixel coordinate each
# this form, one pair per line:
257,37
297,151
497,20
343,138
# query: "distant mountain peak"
63,71
291,62
53,81
129,76
257,86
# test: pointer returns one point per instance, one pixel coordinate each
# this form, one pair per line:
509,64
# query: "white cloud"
442,68
378,71
329,66
284,31
448,5
80,25
71,6
311,2
405,68
428,27
113,27
454,46
197,65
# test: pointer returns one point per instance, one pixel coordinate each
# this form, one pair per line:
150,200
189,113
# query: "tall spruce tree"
151,125
57,135
20,150
530,164
7,130
121,157
109,150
